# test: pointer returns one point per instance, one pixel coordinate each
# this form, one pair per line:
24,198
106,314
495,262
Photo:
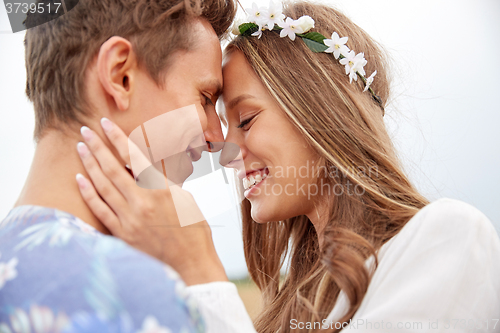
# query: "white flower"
336,45
258,33
369,81
43,320
235,29
70,221
40,320
359,63
354,63
290,28
151,325
256,14
274,15
305,23
8,271
4,328
20,321
59,233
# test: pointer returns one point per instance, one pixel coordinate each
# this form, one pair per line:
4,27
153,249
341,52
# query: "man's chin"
154,179
178,168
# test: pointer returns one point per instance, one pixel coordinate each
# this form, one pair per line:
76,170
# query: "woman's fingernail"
86,133
81,180
82,148
106,124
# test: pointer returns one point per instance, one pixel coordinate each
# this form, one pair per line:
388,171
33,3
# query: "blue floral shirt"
59,274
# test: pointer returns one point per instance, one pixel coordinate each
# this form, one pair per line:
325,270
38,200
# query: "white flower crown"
272,18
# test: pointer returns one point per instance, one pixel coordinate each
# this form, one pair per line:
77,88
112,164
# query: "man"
129,61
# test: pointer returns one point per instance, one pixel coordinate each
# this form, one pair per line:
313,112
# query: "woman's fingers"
117,138
133,156
109,166
126,147
98,207
102,184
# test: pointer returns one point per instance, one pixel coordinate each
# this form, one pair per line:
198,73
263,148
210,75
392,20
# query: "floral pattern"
39,319
60,275
7,271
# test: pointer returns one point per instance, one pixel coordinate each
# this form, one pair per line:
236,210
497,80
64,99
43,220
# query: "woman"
366,248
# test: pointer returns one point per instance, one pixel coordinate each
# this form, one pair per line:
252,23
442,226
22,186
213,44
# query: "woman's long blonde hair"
345,127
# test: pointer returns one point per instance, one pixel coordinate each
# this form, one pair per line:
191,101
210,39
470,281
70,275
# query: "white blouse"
440,273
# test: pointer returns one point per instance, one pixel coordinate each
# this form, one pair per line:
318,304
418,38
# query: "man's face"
193,78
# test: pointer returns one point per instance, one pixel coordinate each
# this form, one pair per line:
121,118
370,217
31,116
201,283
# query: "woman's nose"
231,156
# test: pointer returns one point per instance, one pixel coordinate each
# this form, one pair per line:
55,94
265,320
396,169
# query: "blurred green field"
250,295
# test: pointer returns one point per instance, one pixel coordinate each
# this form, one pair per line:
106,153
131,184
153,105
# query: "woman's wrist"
204,272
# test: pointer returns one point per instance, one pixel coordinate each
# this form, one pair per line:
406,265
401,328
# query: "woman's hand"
144,218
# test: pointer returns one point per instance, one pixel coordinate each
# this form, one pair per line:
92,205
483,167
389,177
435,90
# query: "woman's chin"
266,214
258,213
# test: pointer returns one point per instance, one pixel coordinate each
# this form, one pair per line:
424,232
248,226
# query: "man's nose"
213,133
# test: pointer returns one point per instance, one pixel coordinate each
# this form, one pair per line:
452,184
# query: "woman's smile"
253,180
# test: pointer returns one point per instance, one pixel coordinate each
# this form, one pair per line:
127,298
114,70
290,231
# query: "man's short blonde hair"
59,52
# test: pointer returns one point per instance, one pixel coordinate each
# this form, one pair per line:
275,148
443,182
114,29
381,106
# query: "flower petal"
328,42
344,50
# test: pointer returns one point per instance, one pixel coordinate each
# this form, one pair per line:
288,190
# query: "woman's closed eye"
245,122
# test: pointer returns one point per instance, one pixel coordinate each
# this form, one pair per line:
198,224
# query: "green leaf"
248,28
315,36
315,46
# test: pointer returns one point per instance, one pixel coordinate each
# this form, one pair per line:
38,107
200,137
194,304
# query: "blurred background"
443,116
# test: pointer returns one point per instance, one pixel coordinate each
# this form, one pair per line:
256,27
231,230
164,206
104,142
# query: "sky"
443,117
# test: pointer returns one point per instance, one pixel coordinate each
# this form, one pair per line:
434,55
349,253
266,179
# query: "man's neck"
51,180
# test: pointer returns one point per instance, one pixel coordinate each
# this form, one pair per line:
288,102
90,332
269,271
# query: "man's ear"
116,63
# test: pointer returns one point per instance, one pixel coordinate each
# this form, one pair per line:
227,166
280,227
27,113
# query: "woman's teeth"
253,180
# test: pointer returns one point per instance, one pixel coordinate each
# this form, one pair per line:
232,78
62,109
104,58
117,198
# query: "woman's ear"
116,63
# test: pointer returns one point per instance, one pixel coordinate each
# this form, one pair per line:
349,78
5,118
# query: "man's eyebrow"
235,101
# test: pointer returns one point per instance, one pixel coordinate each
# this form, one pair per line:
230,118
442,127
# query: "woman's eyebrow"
235,101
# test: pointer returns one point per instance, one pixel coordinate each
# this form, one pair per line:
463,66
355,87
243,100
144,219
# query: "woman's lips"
254,179
252,189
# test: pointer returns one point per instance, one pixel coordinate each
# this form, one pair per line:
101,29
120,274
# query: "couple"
366,249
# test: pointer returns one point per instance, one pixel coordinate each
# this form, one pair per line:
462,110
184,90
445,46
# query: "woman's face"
273,151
